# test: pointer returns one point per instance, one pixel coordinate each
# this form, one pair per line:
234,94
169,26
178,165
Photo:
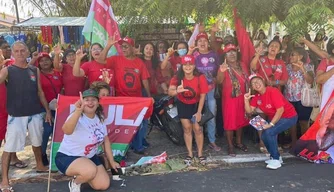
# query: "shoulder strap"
54,89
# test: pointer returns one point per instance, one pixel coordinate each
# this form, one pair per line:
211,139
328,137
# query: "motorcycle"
165,117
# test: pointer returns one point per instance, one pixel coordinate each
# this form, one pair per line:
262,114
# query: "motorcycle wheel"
173,129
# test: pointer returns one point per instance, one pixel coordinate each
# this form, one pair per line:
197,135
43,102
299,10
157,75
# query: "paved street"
296,175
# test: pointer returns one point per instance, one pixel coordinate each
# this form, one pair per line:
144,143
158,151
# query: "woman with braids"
84,131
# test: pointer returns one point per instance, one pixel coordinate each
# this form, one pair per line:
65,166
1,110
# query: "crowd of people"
270,85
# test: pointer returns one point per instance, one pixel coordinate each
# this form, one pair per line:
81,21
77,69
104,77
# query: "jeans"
138,141
269,136
48,130
210,102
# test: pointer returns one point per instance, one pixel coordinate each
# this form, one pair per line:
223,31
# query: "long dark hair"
99,113
155,60
180,74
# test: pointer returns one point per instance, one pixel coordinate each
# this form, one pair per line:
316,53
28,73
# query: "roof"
52,21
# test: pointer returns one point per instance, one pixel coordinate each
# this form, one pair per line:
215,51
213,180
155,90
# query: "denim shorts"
64,161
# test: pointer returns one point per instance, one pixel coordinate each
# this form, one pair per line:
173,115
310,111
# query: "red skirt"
234,113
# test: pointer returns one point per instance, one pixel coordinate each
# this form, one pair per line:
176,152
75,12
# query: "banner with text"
123,115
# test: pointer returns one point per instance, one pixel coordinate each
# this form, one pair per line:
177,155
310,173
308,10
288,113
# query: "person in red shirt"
280,111
52,84
173,57
72,85
93,70
151,62
190,87
131,77
271,67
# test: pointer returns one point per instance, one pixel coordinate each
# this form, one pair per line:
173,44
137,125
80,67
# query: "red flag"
247,49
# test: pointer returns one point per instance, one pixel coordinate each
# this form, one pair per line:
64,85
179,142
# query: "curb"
245,158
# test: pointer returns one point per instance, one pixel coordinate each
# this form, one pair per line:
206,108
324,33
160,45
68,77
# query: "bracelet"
272,124
277,82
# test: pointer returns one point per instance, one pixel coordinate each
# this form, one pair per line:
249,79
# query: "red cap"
229,47
202,35
127,40
188,59
43,54
219,40
255,75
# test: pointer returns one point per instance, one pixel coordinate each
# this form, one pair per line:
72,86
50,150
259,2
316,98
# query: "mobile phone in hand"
193,119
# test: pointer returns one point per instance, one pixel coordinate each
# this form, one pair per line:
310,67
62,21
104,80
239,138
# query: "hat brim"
121,42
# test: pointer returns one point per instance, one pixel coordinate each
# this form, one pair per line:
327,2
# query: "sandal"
231,152
214,147
188,160
241,146
202,160
19,165
7,189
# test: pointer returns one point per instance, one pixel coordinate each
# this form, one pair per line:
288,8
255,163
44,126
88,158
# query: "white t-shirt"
86,138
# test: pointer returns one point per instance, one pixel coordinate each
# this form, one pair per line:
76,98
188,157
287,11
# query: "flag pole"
90,42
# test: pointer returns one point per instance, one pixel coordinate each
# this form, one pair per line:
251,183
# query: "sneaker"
274,164
271,159
73,186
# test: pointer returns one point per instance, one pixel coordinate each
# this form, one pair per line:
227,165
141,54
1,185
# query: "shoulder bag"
207,115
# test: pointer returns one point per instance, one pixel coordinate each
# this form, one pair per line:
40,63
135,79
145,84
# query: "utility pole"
17,11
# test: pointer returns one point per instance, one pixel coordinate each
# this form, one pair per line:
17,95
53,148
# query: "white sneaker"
73,186
274,164
269,160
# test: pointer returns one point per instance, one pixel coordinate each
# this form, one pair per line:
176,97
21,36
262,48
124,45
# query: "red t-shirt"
175,62
128,75
72,85
275,69
323,65
51,85
153,77
270,101
93,70
196,87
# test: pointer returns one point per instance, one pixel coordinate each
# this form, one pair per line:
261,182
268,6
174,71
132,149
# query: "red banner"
123,115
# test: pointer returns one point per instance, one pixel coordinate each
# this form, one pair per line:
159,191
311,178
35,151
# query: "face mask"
182,52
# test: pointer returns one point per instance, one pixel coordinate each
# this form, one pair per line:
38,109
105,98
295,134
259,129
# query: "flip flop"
40,171
7,189
19,165
215,148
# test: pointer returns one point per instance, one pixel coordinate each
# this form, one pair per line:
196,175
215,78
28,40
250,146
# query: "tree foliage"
298,16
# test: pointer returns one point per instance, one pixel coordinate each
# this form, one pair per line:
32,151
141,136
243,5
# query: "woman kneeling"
84,133
281,113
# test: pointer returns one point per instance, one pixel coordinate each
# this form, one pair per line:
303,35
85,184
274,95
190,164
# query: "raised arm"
165,62
213,43
322,54
103,56
221,72
57,60
77,71
71,123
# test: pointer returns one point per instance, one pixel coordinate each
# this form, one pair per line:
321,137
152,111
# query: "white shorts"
17,132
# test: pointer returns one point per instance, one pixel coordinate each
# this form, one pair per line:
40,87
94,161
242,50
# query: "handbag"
207,115
310,96
218,92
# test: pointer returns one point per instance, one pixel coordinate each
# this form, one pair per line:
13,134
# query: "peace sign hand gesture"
80,54
80,105
192,48
248,95
180,88
171,51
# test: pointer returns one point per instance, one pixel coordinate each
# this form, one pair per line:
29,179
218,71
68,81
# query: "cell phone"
193,119
120,171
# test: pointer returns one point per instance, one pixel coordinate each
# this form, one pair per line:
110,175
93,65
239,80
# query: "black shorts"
303,112
63,161
186,111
